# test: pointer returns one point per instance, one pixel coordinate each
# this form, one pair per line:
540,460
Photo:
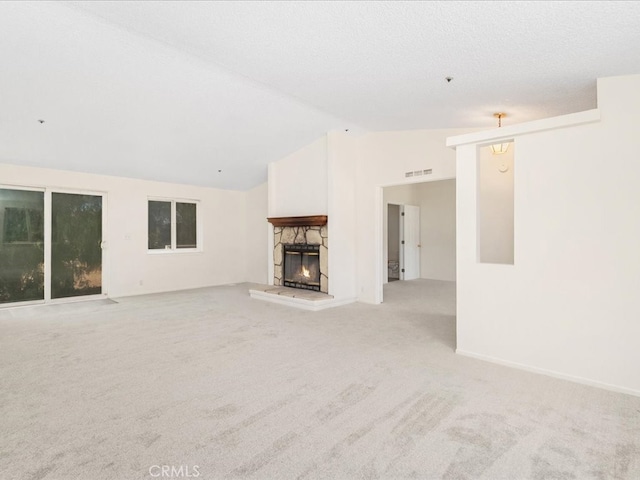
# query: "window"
186,225
173,225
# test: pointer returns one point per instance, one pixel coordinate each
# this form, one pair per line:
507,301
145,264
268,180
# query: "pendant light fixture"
499,148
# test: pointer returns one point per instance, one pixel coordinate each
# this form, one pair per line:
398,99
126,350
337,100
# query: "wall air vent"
418,173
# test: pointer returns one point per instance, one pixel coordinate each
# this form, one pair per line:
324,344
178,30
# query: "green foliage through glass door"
21,245
76,251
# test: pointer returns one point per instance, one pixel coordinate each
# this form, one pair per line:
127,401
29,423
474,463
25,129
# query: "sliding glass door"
21,245
50,245
76,245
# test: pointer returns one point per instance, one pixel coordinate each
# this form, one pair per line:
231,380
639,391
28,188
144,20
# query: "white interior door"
410,242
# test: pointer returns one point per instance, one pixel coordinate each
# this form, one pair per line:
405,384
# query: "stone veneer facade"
300,235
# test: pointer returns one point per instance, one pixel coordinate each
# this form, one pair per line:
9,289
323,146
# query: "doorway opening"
427,228
393,242
403,242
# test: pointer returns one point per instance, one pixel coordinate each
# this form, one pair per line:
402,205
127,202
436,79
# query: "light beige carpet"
220,386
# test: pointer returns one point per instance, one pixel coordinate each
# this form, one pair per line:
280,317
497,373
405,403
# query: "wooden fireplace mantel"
309,221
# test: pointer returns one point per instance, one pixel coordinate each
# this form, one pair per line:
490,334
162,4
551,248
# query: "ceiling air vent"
408,174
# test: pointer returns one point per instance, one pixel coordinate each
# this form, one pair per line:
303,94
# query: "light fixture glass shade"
499,148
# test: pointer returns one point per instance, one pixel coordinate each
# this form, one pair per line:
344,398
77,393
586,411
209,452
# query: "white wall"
129,268
384,159
256,233
320,180
298,184
400,195
342,215
356,170
569,305
349,190
437,202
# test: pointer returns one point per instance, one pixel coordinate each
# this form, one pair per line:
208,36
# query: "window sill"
180,251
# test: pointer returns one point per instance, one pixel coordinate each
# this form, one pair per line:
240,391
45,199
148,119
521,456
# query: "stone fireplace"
300,250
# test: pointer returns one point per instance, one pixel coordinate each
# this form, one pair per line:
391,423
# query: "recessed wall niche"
495,200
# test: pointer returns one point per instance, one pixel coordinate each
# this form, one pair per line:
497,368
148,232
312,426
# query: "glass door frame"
27,188
48,191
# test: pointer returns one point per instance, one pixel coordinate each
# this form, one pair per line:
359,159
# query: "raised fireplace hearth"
300,253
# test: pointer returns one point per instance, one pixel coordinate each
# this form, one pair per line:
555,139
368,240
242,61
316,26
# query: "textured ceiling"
179,90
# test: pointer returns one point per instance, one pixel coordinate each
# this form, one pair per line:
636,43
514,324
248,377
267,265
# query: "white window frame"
174,249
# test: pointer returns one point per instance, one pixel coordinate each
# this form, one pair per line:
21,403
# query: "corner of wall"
256,234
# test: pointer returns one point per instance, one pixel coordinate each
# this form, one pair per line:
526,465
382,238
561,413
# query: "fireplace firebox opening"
302,266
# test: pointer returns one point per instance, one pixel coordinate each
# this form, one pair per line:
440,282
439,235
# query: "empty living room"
309,240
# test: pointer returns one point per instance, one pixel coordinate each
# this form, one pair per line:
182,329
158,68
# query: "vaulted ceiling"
208,93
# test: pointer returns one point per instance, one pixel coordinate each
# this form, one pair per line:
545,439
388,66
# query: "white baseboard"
551,373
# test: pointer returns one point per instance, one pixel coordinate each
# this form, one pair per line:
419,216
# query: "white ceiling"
177,91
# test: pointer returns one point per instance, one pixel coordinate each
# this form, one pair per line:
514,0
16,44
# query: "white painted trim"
54,301
508,133
177,251
48,229
310,305
106,255
550,373
379,244
78,299
417,180
26,303
8,186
